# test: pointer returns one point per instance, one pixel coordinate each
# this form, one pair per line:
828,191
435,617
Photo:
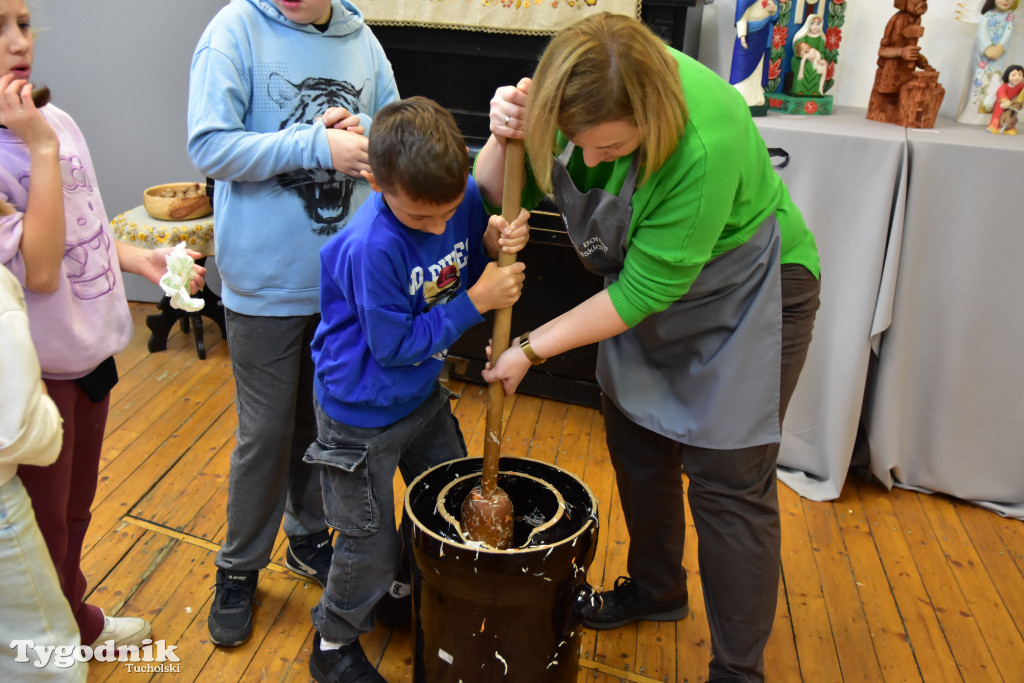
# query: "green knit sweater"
709,197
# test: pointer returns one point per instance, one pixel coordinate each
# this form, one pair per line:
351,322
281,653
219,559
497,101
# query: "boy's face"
305,11
420,215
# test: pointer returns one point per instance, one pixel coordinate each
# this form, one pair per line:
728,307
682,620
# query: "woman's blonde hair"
607,67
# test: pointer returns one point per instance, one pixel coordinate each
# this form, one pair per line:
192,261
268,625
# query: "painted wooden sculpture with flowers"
804,53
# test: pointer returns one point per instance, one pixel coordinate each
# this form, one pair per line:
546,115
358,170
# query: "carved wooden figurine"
906,90
1009,100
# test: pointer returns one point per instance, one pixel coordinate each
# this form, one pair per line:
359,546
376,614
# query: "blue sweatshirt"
393,299
258,81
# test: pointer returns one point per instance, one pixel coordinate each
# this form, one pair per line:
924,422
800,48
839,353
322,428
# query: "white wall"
120,69
946,43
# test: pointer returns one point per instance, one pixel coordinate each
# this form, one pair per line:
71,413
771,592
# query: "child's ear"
374,185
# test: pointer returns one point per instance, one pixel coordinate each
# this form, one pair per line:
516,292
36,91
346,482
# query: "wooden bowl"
177,201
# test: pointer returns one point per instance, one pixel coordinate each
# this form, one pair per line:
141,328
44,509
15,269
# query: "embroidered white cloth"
540,17
177,278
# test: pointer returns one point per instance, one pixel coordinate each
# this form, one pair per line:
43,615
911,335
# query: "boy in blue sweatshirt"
412,271
280,94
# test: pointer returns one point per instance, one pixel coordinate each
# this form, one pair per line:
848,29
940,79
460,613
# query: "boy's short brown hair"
416,147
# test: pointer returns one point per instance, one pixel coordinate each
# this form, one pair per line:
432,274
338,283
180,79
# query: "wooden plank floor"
877,585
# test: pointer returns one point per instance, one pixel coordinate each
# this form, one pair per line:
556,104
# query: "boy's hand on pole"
498,287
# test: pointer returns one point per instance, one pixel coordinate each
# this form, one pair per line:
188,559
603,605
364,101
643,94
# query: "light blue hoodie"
258,81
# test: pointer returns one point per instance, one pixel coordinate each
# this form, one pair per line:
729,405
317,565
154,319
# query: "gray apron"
705,371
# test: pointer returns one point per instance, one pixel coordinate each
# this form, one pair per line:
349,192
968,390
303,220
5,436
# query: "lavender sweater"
87,318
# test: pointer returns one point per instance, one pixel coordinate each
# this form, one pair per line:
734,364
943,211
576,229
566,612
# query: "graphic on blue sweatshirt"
326,194
393,300
444,288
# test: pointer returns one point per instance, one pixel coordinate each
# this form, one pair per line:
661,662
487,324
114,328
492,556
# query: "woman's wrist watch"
524,344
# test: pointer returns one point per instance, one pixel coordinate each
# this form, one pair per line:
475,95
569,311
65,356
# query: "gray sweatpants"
273,371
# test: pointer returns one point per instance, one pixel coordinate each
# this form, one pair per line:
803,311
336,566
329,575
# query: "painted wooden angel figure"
988,57
755,20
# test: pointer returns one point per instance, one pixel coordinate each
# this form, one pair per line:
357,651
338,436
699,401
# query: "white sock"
330,644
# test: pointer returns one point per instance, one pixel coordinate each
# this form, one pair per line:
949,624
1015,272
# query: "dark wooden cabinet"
461,70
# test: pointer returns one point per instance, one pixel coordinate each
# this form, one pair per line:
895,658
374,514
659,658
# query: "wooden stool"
138,228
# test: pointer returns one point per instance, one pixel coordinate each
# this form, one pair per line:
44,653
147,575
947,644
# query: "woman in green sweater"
667,191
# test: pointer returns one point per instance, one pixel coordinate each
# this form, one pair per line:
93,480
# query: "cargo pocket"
350,502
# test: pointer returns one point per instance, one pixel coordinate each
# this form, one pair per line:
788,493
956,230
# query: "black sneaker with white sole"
230,620
628,602
310,556
347,664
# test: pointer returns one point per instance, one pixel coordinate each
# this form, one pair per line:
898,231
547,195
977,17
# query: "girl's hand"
152,264
508,110
349,152
18,112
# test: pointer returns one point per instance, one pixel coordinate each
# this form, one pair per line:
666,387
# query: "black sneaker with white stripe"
310,556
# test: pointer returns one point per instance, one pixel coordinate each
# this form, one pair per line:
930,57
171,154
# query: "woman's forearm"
591,321
489,170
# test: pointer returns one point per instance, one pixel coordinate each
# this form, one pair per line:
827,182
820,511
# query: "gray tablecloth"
848,176
947,411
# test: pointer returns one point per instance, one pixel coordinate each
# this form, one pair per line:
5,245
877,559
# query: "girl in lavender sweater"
58,244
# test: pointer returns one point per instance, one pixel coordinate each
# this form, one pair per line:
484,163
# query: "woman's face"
1004,5
608,141
815,27
1016,76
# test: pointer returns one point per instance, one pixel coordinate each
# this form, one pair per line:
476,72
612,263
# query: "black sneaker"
394,610
347,664
628,602
310,556
230,620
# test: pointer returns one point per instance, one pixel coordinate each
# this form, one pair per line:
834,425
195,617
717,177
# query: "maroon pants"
62,495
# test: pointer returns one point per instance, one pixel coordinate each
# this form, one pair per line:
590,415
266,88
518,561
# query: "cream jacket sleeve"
30,425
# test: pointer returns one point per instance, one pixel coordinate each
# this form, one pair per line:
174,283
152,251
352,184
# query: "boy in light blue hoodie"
281,95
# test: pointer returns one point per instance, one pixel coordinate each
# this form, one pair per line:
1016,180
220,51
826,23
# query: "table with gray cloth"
848,176
946,412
